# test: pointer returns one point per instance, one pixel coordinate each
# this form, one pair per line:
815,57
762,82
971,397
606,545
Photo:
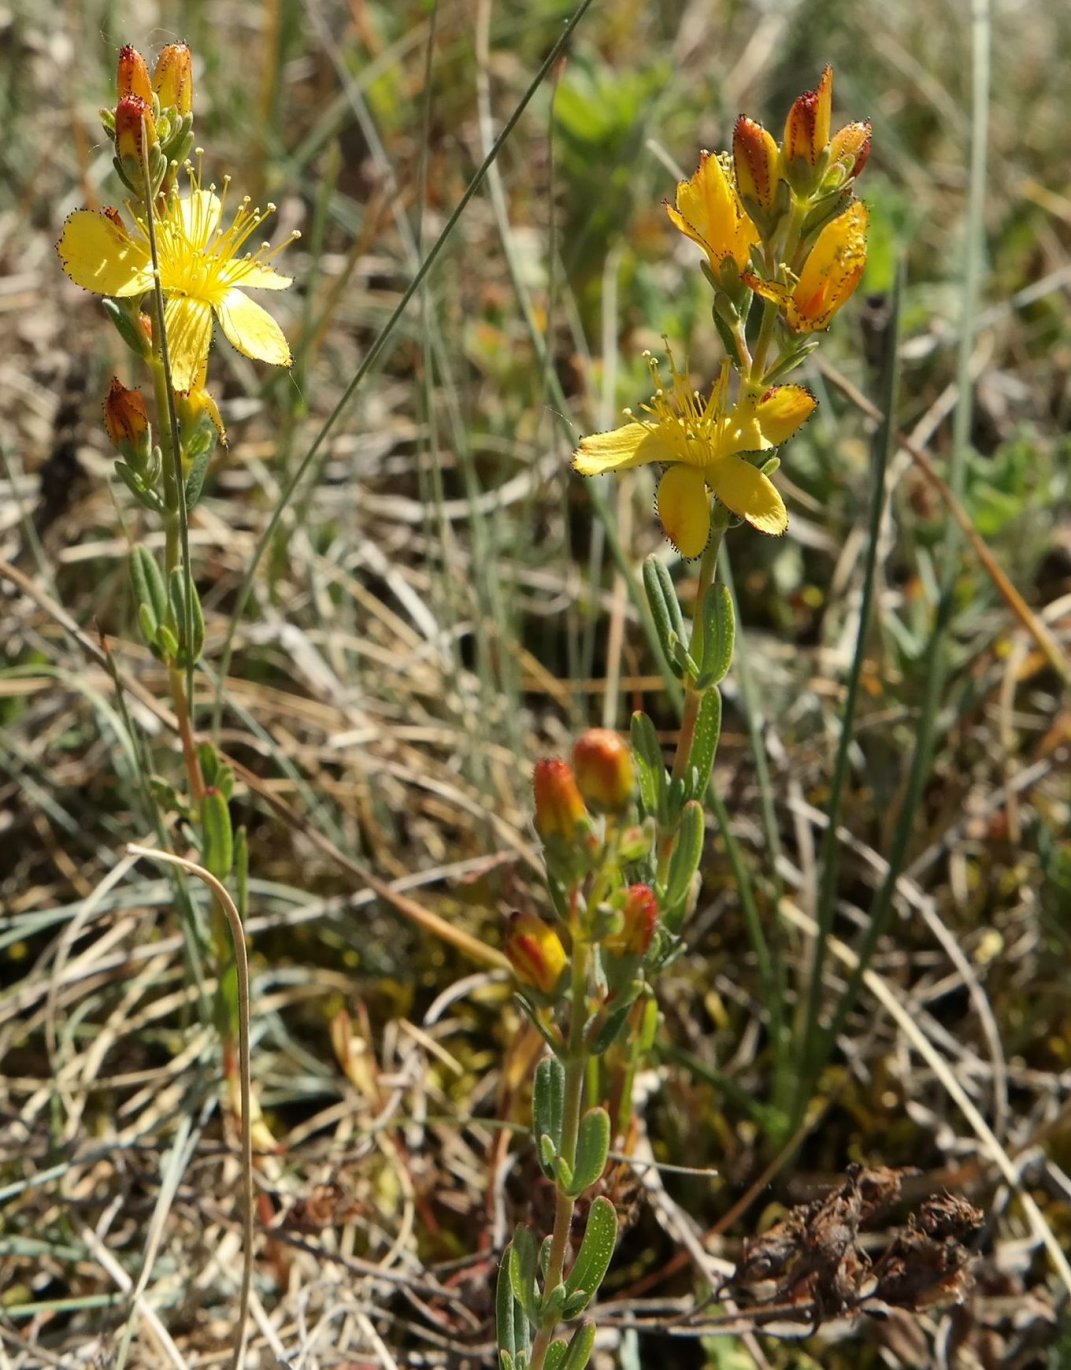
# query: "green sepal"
580,1346
596,1252
548,1109
145,495
683,864
719,636
592,1149
217,835
124,315
790,361
704,743
650,766
522,1273
665,609
191,651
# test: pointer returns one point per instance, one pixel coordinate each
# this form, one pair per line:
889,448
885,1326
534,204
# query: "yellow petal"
684,509
743,488
99,255
188,325
831,272
617,450
252,330
783,410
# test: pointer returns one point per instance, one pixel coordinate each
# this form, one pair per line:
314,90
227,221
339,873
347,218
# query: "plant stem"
693,697
564,1204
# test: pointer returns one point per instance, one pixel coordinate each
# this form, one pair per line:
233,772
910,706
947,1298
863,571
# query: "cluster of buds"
780,219
585,816
152,123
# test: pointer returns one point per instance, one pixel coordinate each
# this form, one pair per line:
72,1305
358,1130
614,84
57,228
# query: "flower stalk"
783,245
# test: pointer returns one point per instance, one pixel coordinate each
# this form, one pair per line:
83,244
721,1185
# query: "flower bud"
535,952
807,125
126,421
849,151
132,77
639,915
757,164
559,809
604,771
133,124
172,78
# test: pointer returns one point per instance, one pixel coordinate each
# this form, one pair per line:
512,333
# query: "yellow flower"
708,210
535,952
201,273
700,442
829,276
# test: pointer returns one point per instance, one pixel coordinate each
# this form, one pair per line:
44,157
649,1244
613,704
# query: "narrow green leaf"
563,1174
719,636
548,1100
196,478
148,582
165,644
504,1306
144,494
581,1346
683,863
665,609
705,742
606,1028
596,1251
650,765
592,1149
556,1354
551,1305
216,834
522,1272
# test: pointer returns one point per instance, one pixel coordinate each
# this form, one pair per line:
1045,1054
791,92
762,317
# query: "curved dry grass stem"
241,963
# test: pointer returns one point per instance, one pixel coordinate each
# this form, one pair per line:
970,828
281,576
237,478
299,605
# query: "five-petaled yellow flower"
708,210
829,276
701,443
201,273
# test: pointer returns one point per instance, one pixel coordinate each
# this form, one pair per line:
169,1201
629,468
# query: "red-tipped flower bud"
757,164
535,952
132,77
126,420
133,123
172,78
807,125
604,771
559,809
640,917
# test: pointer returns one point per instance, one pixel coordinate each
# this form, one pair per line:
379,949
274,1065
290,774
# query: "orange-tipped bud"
807,125
640,918
559,809
605,774
133,123
132,77
850,149
126,420
172,78
757,163
535,952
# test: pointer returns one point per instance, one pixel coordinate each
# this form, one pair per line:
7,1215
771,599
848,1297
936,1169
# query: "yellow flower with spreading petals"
708,210
201,272
833,269
701,442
